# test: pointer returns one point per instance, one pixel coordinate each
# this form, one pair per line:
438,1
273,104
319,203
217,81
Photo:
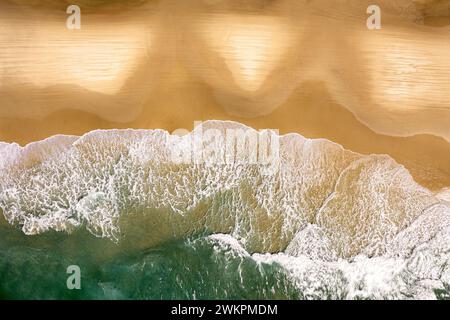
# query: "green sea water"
34,267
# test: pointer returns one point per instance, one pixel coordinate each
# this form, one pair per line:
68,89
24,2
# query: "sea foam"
321,201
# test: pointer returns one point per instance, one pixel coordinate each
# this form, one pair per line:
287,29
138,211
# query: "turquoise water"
35,268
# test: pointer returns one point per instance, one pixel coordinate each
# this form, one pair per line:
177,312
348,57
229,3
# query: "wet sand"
311,68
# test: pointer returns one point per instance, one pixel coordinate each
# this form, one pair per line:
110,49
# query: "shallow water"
324,222
189,269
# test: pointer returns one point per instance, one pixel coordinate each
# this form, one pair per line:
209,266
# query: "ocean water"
316,222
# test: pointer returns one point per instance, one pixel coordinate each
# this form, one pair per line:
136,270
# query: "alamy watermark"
74,280
226,146
73,22
374,20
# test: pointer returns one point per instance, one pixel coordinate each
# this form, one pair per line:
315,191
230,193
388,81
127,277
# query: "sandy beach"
357,210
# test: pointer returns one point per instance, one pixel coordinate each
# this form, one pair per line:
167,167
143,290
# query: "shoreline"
313,114
414,172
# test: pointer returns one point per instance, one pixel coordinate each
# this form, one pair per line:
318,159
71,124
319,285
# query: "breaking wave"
332,223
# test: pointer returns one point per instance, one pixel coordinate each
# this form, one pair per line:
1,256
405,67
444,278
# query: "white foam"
108,180
444,194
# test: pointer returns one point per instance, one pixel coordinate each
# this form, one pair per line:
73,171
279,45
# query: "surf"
351,220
